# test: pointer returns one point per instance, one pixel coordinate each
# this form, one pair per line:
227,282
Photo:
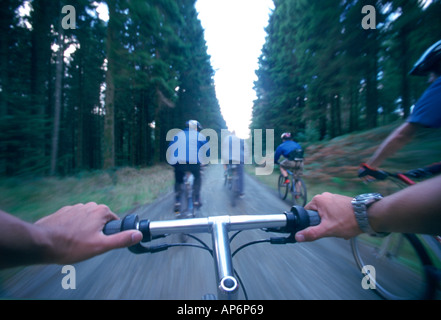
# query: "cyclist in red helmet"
290,150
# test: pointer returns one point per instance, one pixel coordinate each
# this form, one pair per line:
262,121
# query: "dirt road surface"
324,269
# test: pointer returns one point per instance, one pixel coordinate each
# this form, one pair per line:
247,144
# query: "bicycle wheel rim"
398,262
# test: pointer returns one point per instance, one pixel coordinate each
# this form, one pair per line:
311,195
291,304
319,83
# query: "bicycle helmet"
193,124
286,135
429,61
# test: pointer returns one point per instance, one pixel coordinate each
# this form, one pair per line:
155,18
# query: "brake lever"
283,240
139,248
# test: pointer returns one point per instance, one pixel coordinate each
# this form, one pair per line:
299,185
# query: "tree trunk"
57,102
109,118
40,57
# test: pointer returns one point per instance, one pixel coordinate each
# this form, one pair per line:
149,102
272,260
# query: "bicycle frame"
219,227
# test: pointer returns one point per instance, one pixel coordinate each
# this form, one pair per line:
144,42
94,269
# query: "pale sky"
234,31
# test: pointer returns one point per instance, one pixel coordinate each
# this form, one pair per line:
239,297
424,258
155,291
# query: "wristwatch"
360,204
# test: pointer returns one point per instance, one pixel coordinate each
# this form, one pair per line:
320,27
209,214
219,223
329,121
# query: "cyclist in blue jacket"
287,149
187,146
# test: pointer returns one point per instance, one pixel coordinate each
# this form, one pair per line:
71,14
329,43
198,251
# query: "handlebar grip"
129,222
112,227
314,218
303,218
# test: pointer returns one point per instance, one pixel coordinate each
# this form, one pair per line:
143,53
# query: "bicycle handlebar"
218,226
289,222
366,171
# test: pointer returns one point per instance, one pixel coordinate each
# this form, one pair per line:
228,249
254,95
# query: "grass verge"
121,190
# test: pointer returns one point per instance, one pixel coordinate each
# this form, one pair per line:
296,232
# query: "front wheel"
400,265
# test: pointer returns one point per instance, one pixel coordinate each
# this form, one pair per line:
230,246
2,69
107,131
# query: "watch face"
368,197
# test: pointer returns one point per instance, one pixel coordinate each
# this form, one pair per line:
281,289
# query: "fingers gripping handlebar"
305,218
297,219
130,222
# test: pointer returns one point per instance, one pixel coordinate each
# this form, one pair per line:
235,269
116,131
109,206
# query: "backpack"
296,155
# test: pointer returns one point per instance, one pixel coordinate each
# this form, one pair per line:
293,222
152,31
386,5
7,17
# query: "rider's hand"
337,218
367,173
74,233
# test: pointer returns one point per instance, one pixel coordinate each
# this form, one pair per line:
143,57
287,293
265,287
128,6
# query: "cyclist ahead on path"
186,158
235,151
288,149
416,209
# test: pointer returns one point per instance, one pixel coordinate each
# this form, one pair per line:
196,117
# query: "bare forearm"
416,209
72,234
21,243
394,142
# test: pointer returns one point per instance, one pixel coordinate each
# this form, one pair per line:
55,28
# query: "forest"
78,92
323,74
83,93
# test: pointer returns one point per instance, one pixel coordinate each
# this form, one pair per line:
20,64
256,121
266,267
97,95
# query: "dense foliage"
109,101
321,74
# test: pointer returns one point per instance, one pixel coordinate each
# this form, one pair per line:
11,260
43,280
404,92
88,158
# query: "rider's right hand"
369,174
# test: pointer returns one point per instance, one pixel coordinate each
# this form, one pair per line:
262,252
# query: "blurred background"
84,110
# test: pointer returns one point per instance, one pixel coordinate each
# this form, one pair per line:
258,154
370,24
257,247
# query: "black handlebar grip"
112,227
129,222
304,218
314,218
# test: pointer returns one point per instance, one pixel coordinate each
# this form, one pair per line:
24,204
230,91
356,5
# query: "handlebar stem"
227,284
